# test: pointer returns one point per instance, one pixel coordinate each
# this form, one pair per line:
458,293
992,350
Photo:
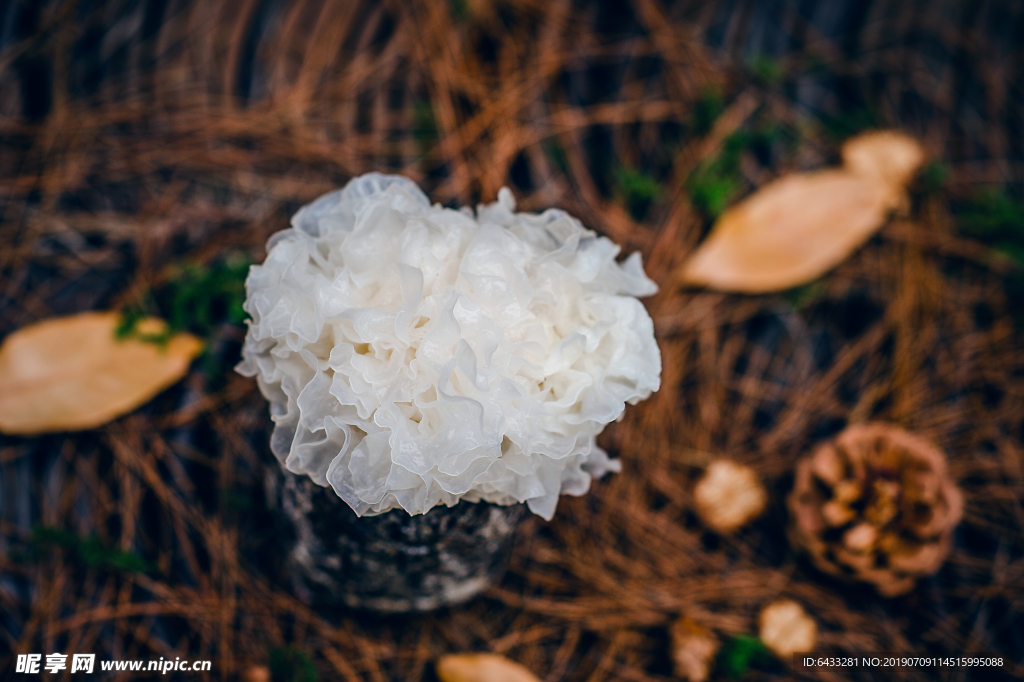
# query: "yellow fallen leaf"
481,668
790,232
71,373
797,228
886,155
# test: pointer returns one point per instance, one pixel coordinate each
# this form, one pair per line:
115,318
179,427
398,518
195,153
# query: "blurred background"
149,149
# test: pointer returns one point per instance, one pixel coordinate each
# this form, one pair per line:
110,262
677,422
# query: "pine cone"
875,504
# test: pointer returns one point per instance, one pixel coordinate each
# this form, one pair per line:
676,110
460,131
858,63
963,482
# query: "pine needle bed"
137,139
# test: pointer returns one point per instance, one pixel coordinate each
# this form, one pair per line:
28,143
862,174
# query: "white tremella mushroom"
416,355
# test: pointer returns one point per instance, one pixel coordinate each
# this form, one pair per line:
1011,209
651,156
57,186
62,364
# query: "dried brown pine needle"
163,163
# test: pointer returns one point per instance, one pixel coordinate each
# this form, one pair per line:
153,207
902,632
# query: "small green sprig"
196,299
90,551
996,219
766,69
716,182
848,123
556,153
708,107
636,190
741,653
291,664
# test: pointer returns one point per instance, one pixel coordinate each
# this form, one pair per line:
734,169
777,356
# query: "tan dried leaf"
886,155
786,629
797,228
693,650
729,496
481,668
257,673
790,232
71,373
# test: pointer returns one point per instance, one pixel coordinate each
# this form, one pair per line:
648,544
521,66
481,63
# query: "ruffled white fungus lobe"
415,355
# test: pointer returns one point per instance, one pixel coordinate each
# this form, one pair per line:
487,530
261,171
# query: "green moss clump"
291,664
996,219
716,182
636,190
90,551
739,654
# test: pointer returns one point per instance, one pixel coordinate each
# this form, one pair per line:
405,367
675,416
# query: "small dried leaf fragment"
693,650
889,156
796,228
729,496
257,673
786,629
790,232
72,373
481,668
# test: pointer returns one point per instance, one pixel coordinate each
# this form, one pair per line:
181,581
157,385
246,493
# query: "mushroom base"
392,562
